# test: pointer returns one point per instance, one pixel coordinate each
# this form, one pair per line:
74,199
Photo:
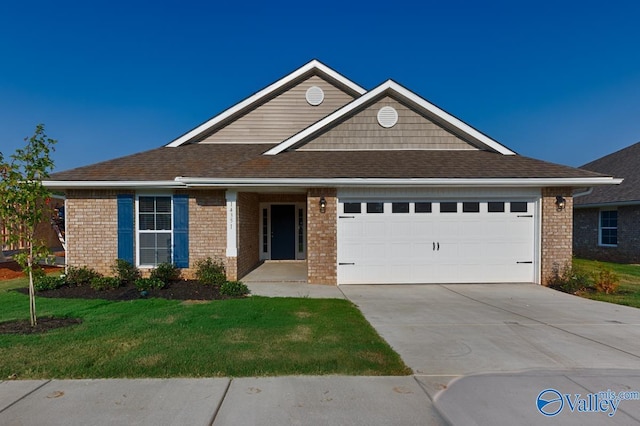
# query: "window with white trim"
155,233
608,228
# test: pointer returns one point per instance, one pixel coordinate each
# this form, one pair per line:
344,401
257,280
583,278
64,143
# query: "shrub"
125,271
210,272
569,279
234,288
47,282
166,272
80,276
105,283
605,280
143,284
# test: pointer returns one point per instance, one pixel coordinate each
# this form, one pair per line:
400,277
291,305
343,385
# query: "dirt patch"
11,270
44,324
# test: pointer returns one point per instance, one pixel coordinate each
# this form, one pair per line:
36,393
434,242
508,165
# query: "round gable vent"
314,95
387,117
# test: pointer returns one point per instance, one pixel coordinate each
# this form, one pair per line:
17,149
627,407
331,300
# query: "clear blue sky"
555,80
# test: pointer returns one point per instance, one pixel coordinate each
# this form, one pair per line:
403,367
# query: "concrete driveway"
461,329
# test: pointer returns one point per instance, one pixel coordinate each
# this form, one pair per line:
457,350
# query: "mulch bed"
179,290
10,270
44,324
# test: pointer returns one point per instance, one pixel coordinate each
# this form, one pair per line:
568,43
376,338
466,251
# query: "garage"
436,241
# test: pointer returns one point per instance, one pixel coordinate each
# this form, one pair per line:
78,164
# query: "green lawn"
629,291
255,336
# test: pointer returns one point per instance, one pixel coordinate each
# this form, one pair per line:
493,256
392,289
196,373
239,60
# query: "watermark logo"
551,402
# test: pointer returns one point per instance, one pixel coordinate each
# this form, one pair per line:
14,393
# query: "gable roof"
625,164
313,67
390,87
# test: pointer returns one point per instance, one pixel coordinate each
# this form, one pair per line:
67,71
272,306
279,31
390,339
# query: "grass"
255,336
628,292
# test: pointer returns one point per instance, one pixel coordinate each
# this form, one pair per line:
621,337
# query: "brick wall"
585,235
248,233
322,237
92,229
207,227
557,231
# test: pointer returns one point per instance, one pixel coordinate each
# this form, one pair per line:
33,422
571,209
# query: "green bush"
568,279
144,284
605,280
125,271
210,272
166,272
47,282
234,288
105,283
80,276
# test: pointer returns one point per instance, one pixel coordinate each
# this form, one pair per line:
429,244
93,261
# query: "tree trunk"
32,292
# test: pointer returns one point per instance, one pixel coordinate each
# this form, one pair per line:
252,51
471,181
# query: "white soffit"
265,93
391,86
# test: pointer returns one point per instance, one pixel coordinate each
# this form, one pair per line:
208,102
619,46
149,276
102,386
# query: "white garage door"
435,242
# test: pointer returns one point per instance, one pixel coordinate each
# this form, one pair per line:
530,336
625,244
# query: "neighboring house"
377,186
607,219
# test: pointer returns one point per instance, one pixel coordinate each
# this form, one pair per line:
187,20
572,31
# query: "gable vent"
314,95
387,117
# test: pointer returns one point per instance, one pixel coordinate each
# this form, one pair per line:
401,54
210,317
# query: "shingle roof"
621,164
247,161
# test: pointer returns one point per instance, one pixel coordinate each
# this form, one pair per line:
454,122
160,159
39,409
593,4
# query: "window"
300,230
352,208
375,207
495,207
469,207
448,207
518,207
155,230
423,207
265,230
400,208
609,227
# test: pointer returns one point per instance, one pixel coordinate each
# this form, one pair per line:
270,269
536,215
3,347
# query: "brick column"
557,231
322,233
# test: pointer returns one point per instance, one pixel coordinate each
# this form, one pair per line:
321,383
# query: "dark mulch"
43,325
179,290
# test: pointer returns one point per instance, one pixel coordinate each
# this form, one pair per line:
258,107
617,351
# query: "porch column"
232,234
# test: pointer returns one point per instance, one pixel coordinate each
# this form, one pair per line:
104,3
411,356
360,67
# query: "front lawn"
255,336
628,292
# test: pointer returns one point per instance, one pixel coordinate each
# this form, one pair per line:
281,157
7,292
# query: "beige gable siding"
282,116
412,131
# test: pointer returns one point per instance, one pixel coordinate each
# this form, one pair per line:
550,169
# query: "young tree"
22,201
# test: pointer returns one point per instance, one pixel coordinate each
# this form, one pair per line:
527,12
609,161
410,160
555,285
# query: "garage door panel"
436,247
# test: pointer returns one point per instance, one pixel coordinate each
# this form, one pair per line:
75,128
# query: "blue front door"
283,232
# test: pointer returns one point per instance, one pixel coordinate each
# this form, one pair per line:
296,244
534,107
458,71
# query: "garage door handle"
438,246
347,217
528,261
346,263
525,215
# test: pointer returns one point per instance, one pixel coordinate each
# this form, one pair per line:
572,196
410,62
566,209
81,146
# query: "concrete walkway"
482,355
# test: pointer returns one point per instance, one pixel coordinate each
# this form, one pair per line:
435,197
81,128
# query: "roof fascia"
387,182
607,205
265,93
371,96
88,184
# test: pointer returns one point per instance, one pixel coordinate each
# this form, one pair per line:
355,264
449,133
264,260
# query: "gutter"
182,182
588,191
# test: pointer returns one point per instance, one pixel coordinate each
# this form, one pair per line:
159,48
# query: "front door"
283,231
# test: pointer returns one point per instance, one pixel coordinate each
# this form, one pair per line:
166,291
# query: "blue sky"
555,80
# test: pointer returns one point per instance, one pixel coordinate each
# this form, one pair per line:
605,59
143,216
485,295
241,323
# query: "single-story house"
607,219
364,186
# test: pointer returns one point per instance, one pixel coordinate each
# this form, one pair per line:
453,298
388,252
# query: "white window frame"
139,231
601,228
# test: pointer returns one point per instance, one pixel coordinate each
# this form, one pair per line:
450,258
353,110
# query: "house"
364,186
607,219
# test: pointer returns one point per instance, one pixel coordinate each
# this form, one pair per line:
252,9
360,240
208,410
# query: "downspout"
588,191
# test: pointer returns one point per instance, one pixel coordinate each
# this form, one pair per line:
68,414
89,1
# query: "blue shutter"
125,227
181,231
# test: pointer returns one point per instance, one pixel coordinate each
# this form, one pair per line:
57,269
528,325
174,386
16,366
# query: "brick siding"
585,235
248,233
322,237
557,231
